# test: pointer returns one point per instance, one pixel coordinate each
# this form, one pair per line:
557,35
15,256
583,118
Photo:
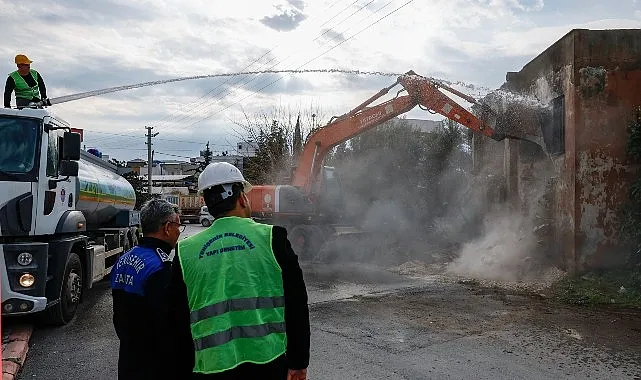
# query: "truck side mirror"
68,168
71,147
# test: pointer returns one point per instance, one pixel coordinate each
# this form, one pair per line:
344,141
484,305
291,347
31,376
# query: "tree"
140,188
418,172
277,137
297,144
207,156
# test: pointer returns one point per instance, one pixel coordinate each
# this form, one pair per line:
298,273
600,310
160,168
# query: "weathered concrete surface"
404,323
451,331
589,81
440,330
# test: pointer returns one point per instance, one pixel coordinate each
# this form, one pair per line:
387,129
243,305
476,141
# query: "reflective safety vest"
22,88
235,293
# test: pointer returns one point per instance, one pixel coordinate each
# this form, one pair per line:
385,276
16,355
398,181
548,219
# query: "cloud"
86,45
298,4
287,19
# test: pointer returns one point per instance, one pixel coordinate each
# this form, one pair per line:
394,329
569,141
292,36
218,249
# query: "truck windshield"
18,137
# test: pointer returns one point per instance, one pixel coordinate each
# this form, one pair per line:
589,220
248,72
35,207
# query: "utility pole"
150,158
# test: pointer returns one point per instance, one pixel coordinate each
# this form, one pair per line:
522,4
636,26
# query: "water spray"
83,95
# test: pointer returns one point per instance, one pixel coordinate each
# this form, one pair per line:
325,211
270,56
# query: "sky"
85,45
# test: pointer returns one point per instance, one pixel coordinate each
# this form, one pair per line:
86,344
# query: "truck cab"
48,253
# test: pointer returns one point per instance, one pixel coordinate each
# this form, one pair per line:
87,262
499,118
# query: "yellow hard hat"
22,59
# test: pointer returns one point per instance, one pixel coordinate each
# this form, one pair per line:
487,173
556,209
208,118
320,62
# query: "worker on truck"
238,292
140,282
27,84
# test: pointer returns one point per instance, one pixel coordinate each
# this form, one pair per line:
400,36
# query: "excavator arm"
421,91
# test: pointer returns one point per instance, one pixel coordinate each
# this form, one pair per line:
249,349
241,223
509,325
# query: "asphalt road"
369,323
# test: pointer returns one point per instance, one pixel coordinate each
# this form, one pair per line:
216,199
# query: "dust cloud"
503,252
421,210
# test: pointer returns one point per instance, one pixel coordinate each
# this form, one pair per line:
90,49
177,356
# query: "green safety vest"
235,293
22,88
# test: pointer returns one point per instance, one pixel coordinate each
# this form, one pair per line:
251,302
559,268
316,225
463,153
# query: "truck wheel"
306,241
70,292
206,222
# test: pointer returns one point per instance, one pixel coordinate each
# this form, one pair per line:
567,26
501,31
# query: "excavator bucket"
514,116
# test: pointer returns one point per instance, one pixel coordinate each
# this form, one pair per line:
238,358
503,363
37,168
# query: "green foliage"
620,287
272,160
207,155
418,171
631,228
140,188
297,144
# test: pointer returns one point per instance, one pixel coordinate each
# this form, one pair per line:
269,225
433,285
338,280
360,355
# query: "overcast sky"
85,45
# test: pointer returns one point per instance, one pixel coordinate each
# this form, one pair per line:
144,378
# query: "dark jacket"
140,283
296,320
10,85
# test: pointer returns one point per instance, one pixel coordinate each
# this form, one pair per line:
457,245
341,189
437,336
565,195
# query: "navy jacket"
139,282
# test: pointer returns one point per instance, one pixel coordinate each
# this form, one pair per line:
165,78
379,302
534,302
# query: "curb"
15,345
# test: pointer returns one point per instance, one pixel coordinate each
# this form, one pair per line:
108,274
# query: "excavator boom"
421,91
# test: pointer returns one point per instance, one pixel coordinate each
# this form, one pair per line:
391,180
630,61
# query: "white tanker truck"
65,216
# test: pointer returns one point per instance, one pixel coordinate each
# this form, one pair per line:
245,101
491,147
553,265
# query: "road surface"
370,323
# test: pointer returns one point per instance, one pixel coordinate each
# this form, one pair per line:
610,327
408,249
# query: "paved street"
369,323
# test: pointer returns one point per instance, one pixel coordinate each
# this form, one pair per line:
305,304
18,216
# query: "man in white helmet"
238,295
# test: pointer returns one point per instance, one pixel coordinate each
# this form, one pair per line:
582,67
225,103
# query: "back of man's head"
221,199
155,213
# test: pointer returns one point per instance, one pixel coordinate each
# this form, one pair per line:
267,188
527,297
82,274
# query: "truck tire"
306,240
206,222
70,292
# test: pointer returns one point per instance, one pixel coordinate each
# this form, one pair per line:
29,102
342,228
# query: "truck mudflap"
23,264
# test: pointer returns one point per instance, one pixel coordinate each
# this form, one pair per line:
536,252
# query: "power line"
216,98
311,60
158,138
173,118
172,155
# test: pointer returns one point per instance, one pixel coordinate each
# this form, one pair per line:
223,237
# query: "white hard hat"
221,173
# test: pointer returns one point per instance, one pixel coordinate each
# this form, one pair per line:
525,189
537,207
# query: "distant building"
246,148
136,164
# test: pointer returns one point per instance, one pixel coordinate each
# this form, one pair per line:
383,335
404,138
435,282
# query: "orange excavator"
307,207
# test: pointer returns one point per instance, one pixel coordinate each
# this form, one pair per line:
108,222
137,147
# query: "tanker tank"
102,192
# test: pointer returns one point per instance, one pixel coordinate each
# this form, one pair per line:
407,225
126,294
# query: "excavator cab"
330,199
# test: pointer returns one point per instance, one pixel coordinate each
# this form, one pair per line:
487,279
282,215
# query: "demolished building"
581,93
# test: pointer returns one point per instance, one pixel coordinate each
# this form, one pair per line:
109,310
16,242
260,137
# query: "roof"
175,162
169,190
167,177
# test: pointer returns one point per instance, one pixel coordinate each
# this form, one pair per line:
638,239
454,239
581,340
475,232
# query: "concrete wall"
589,83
